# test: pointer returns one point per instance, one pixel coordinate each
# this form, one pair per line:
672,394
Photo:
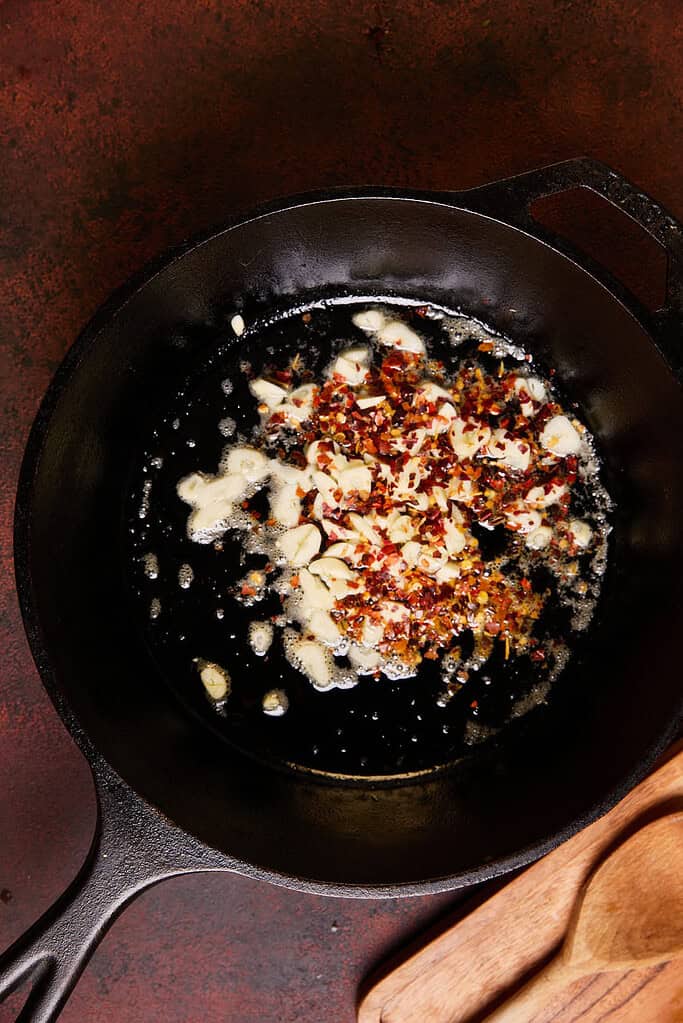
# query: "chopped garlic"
535,389
322,626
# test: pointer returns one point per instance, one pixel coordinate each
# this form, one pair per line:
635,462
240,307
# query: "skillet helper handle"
512,198
133,848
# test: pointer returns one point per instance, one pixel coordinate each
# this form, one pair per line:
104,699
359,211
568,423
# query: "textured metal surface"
122,131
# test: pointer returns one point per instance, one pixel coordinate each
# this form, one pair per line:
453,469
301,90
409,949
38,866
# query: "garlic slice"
561,437
539,538
370,320
467,438
398,335
580,531
268,393
300,545
512,453
370,402
285,505
523,520
248,462
538,497
354,373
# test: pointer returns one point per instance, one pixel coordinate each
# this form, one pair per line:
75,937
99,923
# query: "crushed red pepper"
486,597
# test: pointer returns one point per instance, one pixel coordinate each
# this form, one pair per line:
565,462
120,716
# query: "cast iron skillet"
173,797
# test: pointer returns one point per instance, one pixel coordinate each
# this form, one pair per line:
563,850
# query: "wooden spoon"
630,915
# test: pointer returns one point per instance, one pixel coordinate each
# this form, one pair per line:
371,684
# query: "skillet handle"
133,848
511,200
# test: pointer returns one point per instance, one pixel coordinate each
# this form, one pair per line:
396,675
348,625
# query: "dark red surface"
124,127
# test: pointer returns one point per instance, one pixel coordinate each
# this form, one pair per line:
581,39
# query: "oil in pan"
214,622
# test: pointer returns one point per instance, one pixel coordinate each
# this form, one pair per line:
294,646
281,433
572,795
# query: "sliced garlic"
539,538
300,545
366,662
467,438
370,402
430,560
312,595
410,552
534,389
455,538
430,391
398,335
461,490
349,551
364,528
238,325
370,320
560,436
300,404
318,449
401,529
581,532
330,568
322,626
514,454
285,505
359,353
523,520
275,703
372,634
448,572
212,499
313,659
538,497
260,637
283,473
326,487
268,393
248,462
215,679
444,418
357,478
354,373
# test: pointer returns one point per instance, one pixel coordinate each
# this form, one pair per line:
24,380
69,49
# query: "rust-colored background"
126,126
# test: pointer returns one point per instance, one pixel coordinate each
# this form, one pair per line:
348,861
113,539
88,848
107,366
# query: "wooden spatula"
630,915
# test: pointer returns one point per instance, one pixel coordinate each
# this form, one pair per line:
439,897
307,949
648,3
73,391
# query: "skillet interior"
616,706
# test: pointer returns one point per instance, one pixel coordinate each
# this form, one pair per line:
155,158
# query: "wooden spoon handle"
525,1004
